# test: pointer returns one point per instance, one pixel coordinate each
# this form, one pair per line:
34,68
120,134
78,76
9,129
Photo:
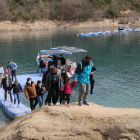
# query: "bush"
110,13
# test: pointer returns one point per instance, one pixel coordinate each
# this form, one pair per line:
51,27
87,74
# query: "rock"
92,122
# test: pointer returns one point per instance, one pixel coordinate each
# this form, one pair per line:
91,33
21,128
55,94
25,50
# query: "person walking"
84,70
68,89
16,90
6,84
30,93
53,85
13,68
40,93
63,61
1,71
42,66
64,77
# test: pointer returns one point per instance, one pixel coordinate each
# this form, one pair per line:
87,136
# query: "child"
68,89
40,93
16,90
8,71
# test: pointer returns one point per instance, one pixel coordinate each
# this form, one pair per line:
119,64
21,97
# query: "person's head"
0,66
6,76
87,59
39,59
64,73
7,67
39,83
16,82
68,81
53,70
29,80
9,62
61,55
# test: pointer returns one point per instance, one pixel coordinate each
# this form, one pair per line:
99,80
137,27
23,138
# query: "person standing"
55,61
40,93
30,93
16,90
53,85
42,66
63,61
1,71
6,84
83,71
13,68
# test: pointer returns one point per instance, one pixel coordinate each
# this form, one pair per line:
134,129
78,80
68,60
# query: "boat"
62,50
123,28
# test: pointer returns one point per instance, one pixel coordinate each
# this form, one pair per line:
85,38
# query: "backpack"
82,67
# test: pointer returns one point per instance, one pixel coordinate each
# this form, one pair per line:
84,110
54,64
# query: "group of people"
55,84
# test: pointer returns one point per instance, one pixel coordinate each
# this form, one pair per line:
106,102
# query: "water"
108,55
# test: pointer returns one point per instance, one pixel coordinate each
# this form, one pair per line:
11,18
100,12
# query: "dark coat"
3,83
44,77
39,90
17,88
49,82
63,60
42,65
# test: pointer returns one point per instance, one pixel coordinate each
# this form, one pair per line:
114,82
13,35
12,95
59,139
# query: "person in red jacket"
68,89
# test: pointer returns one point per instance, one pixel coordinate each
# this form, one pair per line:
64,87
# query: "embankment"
92,122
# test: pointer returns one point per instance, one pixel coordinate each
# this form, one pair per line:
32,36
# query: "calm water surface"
114,87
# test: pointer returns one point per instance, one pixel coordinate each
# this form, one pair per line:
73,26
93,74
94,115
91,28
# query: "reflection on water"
111,89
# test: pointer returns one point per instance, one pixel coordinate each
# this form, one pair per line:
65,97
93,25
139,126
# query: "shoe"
79,104
85,103
34,108
68,105
18,105
64,102
49,104
14,106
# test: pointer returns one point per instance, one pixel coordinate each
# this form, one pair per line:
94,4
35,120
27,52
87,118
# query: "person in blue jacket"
84,70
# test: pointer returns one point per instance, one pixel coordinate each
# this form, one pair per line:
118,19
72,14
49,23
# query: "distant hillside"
66,10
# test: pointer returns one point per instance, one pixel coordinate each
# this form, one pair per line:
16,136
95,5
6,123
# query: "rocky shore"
92,122
48,24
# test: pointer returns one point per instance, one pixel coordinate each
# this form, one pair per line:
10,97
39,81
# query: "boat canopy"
55,52
69,49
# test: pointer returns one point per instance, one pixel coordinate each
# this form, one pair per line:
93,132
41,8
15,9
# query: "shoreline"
49,24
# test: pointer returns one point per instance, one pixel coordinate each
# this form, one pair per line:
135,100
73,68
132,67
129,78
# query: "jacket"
30,90
49,81
39,90
8,72
41,59
41,64
68,88
44,77
17,88
1,70
3,83
84,74
63,60
13,66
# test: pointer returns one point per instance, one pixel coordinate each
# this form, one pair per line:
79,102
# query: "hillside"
67,10
92,122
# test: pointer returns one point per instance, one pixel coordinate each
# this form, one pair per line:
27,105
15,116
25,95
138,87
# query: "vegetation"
66,10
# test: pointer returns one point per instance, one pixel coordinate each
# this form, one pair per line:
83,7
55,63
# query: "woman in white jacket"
1,71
